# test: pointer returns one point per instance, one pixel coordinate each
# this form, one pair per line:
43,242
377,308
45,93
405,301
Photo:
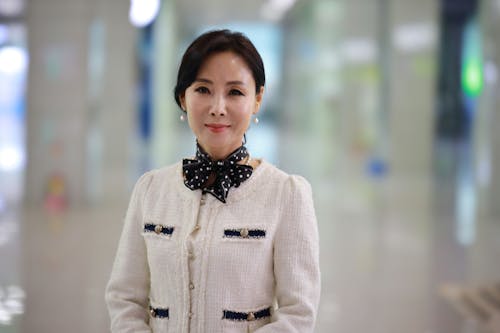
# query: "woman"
221,242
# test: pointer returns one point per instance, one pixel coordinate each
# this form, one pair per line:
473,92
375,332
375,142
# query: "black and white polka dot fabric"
227,172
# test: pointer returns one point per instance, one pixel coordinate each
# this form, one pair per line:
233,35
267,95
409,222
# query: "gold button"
152,312
196,227
191,285
244,233
251,316
158,229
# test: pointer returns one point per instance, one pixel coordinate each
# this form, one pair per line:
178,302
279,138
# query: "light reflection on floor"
12,296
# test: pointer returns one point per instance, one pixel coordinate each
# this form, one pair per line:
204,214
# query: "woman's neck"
217,154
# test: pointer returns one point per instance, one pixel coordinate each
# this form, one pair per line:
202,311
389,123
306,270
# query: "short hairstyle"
217,41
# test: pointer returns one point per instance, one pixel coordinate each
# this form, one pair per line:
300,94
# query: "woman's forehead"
226,66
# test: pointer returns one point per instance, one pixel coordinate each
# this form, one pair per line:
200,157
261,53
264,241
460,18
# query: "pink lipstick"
217,128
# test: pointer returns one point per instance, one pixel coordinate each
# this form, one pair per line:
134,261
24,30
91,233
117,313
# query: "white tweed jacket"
259,271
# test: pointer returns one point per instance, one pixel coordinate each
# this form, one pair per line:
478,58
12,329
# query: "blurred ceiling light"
143,12
414,37
359,51
11,158
11,7
13,60
275,10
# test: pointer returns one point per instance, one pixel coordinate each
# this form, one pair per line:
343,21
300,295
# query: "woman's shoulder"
167,172
160,177
290,182
287,190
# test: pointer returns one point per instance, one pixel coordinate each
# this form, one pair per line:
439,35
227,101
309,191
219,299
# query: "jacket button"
251,316
244,233
152,312
158,229
191,285
196,227
190,315
190,255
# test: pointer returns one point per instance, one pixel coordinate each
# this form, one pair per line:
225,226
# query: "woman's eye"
202,90
235,92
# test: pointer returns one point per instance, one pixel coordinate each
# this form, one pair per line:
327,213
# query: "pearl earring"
182,117
255,120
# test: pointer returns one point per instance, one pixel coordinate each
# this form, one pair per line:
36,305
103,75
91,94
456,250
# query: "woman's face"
220,103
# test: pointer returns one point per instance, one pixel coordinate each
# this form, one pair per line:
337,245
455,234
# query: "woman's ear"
182,99
258,99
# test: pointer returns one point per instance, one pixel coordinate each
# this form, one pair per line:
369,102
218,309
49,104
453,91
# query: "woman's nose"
218,107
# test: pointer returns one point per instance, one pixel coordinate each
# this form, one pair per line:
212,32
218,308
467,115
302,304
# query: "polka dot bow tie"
227,172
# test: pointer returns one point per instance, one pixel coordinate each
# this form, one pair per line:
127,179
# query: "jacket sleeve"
296,262
127,292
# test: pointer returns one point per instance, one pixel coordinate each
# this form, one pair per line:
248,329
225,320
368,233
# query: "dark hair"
214,42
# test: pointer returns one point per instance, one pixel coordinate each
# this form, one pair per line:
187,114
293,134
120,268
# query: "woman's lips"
216,128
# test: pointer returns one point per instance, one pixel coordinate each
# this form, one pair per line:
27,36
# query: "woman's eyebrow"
241,83
203,80
229,83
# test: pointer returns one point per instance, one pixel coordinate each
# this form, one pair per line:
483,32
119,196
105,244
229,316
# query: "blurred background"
388,107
